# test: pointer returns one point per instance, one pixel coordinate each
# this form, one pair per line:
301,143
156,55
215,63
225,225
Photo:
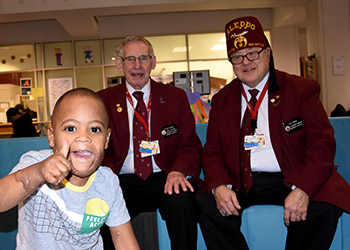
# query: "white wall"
334,38
286,49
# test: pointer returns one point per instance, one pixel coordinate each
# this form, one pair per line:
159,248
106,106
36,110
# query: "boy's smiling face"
82,121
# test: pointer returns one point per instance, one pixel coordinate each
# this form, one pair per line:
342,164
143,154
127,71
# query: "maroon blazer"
169,108
306,156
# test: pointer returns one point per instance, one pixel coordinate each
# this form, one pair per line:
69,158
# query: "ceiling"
77,19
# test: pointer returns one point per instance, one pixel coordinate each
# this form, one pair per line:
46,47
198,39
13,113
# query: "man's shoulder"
286,80
229,89
111,91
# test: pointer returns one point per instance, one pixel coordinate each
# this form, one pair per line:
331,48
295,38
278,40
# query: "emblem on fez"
240,40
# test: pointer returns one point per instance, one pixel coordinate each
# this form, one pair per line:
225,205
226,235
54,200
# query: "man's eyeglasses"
132,59
251,56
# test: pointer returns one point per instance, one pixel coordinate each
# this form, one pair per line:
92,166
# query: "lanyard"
137,114
254,111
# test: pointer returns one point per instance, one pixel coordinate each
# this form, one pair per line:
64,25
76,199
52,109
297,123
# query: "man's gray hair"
132,39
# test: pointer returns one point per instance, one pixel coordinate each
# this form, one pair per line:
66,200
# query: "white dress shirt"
128,165
261,159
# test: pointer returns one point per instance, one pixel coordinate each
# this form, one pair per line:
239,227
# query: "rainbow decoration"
199,108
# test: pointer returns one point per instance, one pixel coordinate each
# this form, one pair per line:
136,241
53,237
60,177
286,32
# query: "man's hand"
295,206
55,168
174,181
226,201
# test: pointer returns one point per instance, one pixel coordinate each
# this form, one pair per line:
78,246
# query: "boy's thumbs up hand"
65,148
55,168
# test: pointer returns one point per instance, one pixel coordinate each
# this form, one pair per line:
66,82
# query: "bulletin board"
56,88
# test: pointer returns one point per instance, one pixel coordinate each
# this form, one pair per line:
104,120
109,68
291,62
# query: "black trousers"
180,211
221,233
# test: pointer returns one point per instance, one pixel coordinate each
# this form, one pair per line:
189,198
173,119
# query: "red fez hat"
244,32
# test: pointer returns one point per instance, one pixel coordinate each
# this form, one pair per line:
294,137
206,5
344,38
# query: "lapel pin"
276,101
162,101
119,109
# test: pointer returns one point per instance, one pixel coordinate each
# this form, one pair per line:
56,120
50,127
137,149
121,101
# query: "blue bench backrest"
10,152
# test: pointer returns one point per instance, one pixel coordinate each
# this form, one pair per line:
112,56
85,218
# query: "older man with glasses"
269,141
154,148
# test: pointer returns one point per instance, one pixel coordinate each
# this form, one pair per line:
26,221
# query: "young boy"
64,195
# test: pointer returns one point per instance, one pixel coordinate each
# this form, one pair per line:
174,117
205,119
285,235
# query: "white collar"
259,87
146,90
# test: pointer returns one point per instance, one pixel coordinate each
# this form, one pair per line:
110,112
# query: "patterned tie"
246,129
143,166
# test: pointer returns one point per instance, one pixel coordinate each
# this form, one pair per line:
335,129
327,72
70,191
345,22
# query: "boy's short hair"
78,92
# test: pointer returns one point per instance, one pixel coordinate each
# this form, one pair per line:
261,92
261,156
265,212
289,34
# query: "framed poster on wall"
56,88
26,86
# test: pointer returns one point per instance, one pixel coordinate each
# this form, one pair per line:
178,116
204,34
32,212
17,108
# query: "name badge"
254,142
148,148
169,130
293,125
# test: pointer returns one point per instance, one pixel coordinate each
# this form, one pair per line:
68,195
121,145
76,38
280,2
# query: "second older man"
269,141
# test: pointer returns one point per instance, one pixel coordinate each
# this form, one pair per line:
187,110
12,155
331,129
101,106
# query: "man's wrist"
227,185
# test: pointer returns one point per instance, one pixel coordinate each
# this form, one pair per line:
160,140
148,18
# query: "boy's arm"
124,238
16,186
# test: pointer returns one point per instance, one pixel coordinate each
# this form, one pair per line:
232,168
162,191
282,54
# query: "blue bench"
262,225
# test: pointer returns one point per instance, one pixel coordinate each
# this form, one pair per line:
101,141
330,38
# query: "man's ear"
268,52
154,62
119,63
50,136
107,137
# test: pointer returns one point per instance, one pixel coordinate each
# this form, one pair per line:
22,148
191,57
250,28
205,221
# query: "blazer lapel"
275,112
158,106
234,106
121,117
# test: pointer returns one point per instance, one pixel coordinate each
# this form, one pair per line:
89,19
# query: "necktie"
246,129
143,166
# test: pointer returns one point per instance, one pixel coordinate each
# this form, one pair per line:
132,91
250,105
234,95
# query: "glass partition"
169,48
90,78
41,97
110,47
58,55
207,46
87,53
38,56
16,58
